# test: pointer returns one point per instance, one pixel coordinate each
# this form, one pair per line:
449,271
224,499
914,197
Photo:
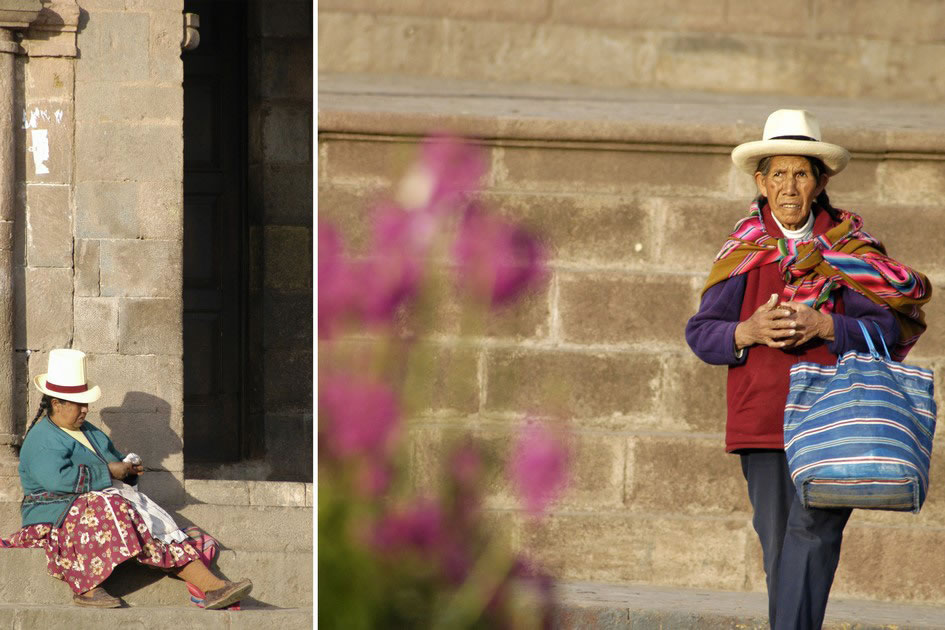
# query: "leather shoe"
96,598
228,594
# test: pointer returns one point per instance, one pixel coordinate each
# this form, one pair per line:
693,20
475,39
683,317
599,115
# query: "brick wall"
280,172
851,48
632,230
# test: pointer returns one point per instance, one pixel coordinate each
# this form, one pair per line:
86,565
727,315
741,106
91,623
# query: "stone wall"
281,217
851,48
632,228
100,231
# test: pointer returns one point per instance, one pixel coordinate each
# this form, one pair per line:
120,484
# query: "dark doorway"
215,236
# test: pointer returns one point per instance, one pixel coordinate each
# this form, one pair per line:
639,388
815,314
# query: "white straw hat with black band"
790,132
65,377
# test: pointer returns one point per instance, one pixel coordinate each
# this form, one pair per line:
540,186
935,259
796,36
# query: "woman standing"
789,285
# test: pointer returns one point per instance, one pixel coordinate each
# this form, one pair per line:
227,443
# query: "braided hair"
45,405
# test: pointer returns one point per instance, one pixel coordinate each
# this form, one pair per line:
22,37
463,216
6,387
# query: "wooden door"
215,234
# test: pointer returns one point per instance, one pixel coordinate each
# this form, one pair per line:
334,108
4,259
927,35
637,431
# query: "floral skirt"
100,531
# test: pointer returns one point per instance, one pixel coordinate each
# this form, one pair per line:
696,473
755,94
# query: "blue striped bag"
858,434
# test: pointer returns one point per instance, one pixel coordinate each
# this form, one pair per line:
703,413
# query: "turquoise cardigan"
55,469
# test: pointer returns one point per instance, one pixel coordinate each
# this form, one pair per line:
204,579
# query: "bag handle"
879,333
869,341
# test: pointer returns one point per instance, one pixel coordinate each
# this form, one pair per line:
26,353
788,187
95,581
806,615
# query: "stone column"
8,48
14,14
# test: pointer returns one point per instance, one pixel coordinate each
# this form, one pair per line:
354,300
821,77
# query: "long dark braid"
45,404
823,200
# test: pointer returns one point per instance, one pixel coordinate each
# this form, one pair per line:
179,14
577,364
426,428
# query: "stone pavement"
644,607
30,616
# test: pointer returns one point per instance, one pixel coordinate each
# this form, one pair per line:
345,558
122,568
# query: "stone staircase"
633,191
265,533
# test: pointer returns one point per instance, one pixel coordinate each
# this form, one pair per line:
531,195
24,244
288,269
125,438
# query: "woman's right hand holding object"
770,325
121,470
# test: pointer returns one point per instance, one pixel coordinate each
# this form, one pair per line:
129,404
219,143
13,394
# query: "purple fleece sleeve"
846,332
711,332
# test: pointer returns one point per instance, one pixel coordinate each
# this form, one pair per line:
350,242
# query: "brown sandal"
226,595
96,598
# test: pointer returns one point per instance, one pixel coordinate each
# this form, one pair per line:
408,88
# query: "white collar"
803,233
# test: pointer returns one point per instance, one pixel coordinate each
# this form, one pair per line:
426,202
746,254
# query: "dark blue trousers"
801,547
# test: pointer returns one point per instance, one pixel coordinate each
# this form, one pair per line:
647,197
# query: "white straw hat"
65,377
791,132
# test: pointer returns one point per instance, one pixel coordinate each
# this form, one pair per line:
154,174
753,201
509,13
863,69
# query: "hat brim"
746,156
90,395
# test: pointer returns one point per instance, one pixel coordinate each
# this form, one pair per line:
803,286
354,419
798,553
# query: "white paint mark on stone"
31,118
40,149
638,247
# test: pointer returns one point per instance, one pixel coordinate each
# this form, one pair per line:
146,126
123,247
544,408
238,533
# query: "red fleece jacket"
757,389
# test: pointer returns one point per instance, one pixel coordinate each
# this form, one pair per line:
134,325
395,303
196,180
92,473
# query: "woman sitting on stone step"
73,480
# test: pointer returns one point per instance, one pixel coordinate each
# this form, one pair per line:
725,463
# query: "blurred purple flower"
359,416
419,525
496,260
539,467
392,273
374,478
396,229
447,168
404,233
337,282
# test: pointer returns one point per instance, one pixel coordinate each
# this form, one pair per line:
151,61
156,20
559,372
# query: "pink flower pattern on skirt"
88,546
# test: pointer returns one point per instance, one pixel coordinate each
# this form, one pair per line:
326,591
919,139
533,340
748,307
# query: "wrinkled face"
68,414
791,188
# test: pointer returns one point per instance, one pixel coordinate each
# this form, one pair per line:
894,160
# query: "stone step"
270,545
241,528
396,105
642,607
20,616
279,579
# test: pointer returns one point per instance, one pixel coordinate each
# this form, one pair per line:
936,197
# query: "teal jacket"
55,469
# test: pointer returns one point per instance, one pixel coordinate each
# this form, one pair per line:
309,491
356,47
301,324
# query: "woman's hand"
121,470
810,324
770,324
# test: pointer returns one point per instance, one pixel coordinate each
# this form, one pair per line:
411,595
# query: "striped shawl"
843,256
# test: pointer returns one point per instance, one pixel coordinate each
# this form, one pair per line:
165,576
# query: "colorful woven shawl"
844,255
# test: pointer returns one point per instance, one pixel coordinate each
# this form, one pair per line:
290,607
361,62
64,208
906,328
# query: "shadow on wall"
142,424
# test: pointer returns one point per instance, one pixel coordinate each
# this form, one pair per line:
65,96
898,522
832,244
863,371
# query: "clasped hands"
784,325
121,470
